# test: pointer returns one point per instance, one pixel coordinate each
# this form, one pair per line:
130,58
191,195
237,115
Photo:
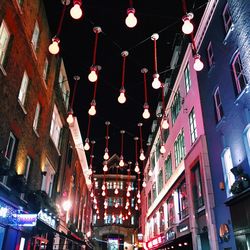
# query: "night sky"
77,44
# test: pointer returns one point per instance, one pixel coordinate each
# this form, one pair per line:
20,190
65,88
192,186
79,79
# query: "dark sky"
77,43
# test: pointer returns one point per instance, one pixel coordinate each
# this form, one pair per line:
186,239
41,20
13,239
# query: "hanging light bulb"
198,64
54,46
116,205
142,156
103,193
120,216
98,217
86,145
92,194
92,110
95,201
122,97
127,203
187,27
106,154
105,166
156,84
105,203
103,186
144,184
129,188
139,201
137,167
116,191
128,194
76,11
138,195
136,207
165,124
146,113
121,163
95,206
93,74
70,118
131,20
162,149
150,173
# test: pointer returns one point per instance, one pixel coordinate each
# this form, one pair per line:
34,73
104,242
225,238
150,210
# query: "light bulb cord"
95,88
163,99
61,19
107,135
155,56
136,156
145,87
88,130
95,48
73,96
131,3
121,144
123,70
184,6
193,43
91,153
140,135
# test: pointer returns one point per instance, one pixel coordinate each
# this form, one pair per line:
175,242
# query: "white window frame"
187,78
227,164
48,178
55,127
45,69
35,36
227,20
210,54
36,117
218,104
4,41
193,126
23,89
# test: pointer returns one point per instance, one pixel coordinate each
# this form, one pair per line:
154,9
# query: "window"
149,199
176,107
183,202
4,40
64,86
170,208
154,191
187,78
179,148
157,149
37,115
48,178
168,168
23,89
218,105
55,127
132,220
45,69
197,187
227,164
238,74
35,36
162,219
165,133
247,141
192,125
160,181
210,55
27,167
227,18
152,160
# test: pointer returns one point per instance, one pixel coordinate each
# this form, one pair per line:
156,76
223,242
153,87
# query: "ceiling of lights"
77,44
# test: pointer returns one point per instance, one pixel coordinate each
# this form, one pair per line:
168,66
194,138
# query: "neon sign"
26,220
47,219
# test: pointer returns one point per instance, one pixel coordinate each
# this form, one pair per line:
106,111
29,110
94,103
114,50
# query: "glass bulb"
198,64
137,169
54,47
127,204
103,193
105,168
76,11
116,191
136,207
165,124
129,188
187,27
121,163
86,146
142,156
92,76
139,201
150,173
131,20
70,119
129,213
92,110
92,194
144,184
146,113
106,156
122,98
95,206
138,195
116,205
162,149
128,194
156,84
103,187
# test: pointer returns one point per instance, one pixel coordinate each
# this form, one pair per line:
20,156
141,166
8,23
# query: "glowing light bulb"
146,113
128,194
105,167
106,155
116,191
198,64
116,205
54,46
121,163
138,195
103,193
156,84
92,194
127,203
142,156
66,205
86,145
144,184
122,97
129,213
70,118
139,201
150,173
136,207
92,110
103,187
137,168
131,20
76,11
165,124
187,27
162,149
92,75
95,206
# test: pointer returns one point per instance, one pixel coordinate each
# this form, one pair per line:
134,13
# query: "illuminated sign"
26,220
3,212
47,219
183,228
155,242
170,235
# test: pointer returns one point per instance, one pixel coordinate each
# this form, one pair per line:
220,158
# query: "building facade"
224,87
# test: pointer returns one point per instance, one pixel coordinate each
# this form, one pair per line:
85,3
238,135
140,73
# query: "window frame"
4,31
179,148
48,178
45,69
23,89
37,116
168,159
218,104
35,36
210,54
176,106
227,18
192,126
187,78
